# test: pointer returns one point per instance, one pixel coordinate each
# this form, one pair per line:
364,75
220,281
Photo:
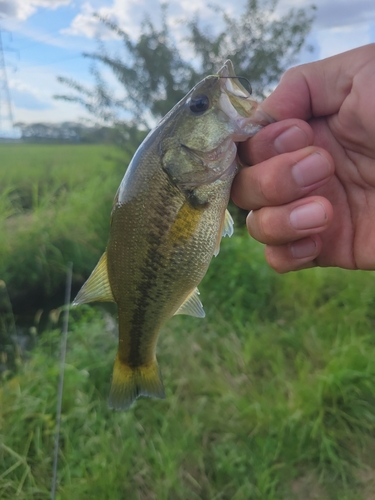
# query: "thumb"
319,88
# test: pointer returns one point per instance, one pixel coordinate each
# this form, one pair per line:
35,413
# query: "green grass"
278,407
55,202
270,397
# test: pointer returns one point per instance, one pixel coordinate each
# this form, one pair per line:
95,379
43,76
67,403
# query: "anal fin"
97,287
192,306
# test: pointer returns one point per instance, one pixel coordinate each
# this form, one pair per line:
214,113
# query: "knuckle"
238,196
292,73
266,225
269,188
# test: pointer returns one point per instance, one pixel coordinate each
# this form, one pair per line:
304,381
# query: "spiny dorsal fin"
192,305
226,229
97,287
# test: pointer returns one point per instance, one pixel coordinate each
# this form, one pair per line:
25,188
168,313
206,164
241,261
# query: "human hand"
311,190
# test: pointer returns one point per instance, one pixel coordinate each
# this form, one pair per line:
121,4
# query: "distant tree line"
70,132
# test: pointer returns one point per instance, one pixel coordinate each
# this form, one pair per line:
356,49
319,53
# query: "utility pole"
6,113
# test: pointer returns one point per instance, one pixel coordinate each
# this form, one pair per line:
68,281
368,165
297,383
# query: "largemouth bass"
168,218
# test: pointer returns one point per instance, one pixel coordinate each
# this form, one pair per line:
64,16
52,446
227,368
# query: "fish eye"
199,104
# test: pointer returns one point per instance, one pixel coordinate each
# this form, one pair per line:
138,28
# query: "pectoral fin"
192,305
97,287
226,229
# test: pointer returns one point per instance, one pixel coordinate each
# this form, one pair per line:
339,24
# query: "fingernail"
311,169
292,139
303,248
308,216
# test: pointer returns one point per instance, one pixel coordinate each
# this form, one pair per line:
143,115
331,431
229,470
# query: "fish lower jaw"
246,127
245,130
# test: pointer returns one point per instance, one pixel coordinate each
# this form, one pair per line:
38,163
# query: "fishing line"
68,287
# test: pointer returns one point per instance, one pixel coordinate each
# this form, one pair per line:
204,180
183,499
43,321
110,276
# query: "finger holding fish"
282,179
285,192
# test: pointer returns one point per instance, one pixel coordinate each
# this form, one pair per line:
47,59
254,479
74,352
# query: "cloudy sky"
45,38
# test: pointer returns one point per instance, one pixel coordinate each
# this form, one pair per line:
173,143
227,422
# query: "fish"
168,217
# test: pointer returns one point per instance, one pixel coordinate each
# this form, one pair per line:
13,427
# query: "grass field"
271,396
54,206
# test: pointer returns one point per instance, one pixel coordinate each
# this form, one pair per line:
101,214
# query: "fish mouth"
231,82
236,103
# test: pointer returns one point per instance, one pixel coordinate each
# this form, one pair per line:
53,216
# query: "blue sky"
45,38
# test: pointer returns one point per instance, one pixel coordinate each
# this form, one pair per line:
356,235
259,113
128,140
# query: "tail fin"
130,383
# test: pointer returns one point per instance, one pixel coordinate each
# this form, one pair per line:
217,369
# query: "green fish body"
168,217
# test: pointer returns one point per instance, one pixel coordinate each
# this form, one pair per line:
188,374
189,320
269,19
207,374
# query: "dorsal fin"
226,229
97,287
192,305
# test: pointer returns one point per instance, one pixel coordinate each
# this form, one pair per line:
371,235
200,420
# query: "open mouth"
237,104
230,83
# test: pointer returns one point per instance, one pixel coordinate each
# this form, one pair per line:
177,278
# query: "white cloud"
85,23
334,13
58,112
335,40
339,25
32,91
22,9
26,96
17,84
129,14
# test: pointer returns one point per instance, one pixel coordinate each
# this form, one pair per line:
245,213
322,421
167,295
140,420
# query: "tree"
155,75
